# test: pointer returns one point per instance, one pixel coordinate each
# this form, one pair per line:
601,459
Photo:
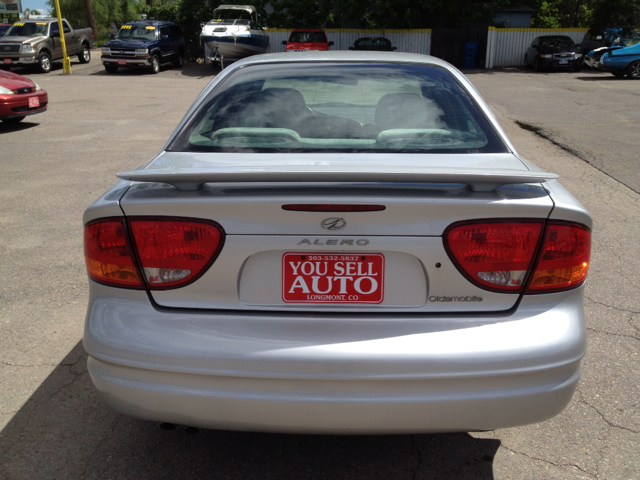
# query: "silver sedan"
337,242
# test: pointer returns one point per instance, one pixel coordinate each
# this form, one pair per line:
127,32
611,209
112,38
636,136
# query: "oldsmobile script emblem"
333,223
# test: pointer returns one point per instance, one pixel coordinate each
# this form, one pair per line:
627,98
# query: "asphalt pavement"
54,165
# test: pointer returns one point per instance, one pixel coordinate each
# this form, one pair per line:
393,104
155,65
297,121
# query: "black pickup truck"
37,43
144,43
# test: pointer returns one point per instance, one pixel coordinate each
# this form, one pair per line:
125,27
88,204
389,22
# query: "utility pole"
66,61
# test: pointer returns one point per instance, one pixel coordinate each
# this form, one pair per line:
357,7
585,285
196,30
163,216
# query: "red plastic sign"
332,278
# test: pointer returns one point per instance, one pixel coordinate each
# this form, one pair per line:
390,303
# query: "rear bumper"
322,374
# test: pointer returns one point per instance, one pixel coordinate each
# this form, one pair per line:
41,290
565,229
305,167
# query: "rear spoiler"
478,180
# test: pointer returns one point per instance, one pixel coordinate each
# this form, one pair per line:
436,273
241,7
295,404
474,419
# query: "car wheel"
85,54
14,119
179,61
44,62
155,64
111,68
633,70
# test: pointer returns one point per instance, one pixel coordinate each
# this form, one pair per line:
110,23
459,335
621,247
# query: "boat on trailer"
233,33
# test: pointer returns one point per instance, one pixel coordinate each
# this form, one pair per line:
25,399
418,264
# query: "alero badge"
333,223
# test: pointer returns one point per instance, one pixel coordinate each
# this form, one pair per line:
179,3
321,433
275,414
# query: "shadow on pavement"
8,127
64,431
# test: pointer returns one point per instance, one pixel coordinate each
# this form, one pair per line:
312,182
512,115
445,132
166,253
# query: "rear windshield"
22,29
306,107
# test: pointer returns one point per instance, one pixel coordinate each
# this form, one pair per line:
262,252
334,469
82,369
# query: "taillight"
175,252
564,258
171,252
108,256
322,207
499,255
494,255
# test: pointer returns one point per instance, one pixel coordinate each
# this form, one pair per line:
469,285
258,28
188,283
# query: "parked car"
307,39
20,97
612,39
3,28
553,51
379,44
337,242
619,37
37,43
144,43
623,61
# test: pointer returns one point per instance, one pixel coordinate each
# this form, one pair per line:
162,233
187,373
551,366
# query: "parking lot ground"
52,426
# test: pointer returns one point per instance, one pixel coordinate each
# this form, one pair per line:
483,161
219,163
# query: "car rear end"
336,290
304,40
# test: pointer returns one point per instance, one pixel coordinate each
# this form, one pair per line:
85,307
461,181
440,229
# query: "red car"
20,97
307,39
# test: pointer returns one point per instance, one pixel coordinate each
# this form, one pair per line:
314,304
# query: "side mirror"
331,44
284,42
112,36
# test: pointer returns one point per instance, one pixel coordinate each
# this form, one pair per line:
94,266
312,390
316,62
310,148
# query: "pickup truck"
37,43
144,43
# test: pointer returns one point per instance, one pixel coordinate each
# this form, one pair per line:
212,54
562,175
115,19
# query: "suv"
307,39
144,43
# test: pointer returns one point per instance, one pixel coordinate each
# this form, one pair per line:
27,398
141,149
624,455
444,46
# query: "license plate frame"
8,61
340,278
34,102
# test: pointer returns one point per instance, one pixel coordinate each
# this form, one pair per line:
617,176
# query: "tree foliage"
106,12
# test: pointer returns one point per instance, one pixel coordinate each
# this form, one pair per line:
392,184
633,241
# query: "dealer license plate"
34,102
122,62
332,278
8,61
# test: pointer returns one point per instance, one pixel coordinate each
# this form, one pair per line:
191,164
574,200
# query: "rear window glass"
339,107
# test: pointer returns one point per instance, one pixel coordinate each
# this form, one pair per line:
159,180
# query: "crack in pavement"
591,329
419,454
559,465
539,131
608,422
623,310
97,449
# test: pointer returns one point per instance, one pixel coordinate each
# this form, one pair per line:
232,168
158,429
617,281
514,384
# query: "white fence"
414,41
506,47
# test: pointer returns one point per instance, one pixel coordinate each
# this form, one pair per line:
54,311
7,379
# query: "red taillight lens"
175,252
564,258
108,256
494,255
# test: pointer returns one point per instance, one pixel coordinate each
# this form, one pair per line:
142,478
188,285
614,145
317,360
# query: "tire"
155,64
14,119
536,65
111,68
44,62
179,61
85,54
633,70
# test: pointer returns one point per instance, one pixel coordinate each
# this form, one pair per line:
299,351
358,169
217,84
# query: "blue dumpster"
470,54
